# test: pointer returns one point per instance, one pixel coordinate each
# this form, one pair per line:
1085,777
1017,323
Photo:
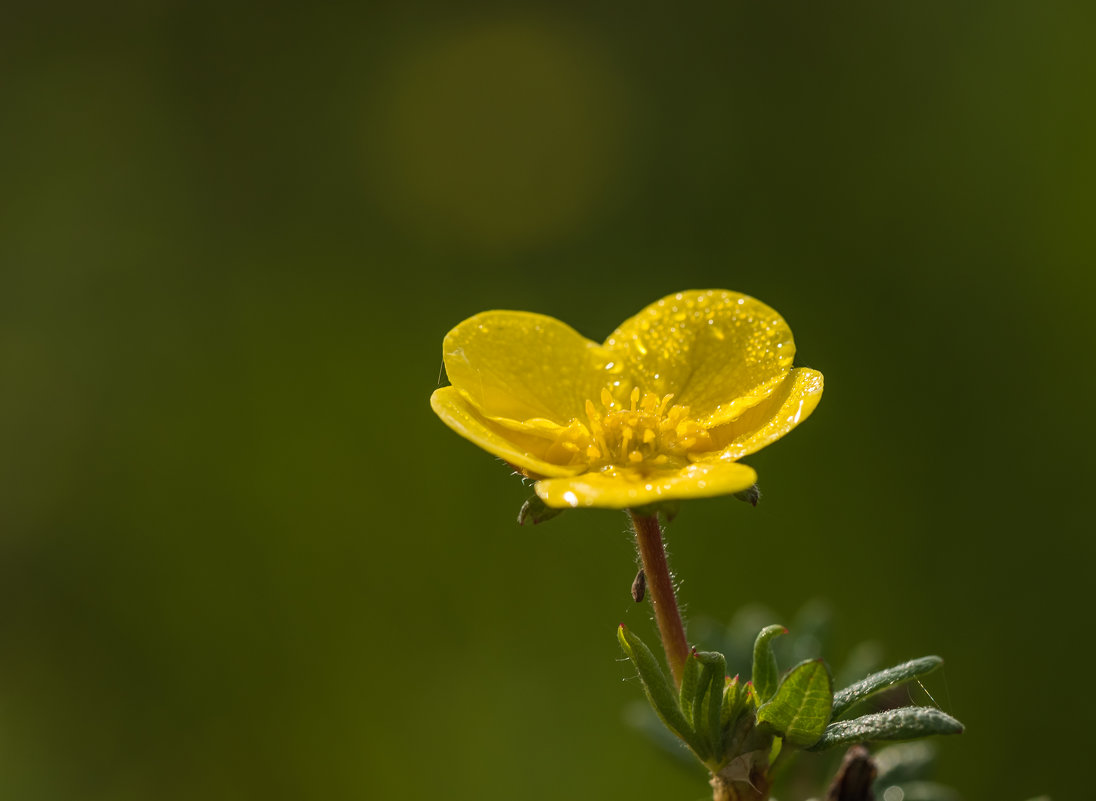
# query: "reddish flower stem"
660,587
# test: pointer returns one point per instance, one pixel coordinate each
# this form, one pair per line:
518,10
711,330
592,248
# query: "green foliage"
690,678
766,675
736,727
907,723
708,703
734,701
800,709
884,679
660,690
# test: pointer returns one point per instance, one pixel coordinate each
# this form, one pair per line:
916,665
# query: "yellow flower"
662,410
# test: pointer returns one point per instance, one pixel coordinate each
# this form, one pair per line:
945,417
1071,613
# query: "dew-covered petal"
519,365
789,405
718,352
621,488
525,450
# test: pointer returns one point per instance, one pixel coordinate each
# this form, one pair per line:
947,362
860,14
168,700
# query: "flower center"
648,433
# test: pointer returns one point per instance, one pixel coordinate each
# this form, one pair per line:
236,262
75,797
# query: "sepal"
750,495
534,511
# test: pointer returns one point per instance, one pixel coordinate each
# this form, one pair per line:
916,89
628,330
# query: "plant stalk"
660,587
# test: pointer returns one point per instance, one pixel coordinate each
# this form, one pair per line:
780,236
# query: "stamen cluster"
647,433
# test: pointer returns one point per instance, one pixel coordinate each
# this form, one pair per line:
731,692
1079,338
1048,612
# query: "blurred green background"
240,557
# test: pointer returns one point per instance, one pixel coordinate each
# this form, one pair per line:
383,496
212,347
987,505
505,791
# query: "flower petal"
767,422
719,352
522,450
620,488
519,365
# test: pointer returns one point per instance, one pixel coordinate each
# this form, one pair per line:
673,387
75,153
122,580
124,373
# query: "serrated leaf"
765,672
884,679
906,723
534,511
800,709
660,690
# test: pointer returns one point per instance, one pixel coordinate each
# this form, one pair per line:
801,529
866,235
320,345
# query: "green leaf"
734,701
536,511
660,691
877,682
765,672
800,709
690,677
706,713
906,723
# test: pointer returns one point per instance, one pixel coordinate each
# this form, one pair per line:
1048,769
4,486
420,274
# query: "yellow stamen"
648,433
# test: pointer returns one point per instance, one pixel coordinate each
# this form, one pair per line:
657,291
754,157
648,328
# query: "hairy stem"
660,587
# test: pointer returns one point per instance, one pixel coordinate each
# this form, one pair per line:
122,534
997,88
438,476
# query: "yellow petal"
523,450
621,488
719,352
767,422
518,365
